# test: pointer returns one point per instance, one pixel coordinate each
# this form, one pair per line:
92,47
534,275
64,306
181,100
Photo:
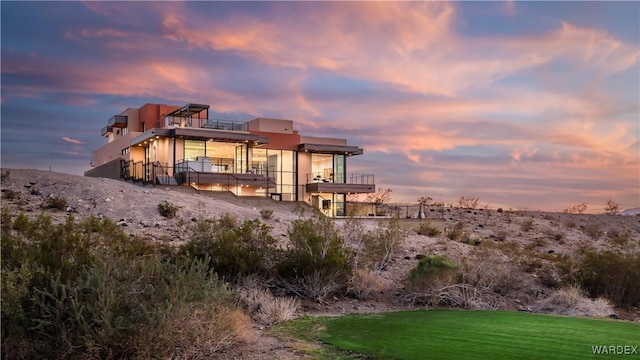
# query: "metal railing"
360,179
162,174
232,184
145,172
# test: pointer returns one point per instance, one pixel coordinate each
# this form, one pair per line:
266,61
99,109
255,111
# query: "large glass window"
322,167
224,157
194,149
338,169
280,165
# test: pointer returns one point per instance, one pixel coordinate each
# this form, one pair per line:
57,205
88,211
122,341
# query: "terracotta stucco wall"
322,141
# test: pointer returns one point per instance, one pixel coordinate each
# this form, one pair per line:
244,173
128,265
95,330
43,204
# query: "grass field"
448,334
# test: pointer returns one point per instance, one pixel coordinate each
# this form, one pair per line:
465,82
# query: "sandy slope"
503,234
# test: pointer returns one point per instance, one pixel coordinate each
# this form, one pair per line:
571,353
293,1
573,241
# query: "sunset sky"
522,104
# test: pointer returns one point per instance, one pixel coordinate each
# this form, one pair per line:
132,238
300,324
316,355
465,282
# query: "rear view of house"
173,145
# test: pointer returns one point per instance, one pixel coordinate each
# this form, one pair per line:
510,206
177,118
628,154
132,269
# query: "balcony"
351,183
107,130
118,121
213,124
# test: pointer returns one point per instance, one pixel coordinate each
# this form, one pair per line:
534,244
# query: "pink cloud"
72,141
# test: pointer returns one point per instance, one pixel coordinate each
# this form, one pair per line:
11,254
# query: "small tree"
379,198
612,207
577,208
469,202
423,201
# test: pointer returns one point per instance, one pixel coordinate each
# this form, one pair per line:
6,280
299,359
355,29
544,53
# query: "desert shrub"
619,237
383,244
363,282
87,290
425,228
373,251
317,263
262,305
266,214
540,241
610,275
483,283
547,277
10,194
467,239
526,225
456,232
4,175
594,231
233,251
226,221
278,309
430,281
530,264
55,202
501,235
555,235
571,300
167,209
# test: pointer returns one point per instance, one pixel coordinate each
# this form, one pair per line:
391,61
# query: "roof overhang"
201,134
330,149
188,110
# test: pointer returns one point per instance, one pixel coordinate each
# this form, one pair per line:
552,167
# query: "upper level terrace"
197,116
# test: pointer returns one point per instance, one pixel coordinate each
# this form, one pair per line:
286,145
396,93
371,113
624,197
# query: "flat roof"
200,134
330,149
189,110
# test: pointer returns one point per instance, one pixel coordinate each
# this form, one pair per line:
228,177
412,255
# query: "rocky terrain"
519,245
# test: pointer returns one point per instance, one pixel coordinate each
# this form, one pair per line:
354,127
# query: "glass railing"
214,124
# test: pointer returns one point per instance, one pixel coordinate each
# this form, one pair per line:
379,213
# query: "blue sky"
522,104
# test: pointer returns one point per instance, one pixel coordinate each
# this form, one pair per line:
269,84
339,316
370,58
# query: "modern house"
173,145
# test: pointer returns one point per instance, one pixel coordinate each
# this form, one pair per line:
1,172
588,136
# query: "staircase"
166,180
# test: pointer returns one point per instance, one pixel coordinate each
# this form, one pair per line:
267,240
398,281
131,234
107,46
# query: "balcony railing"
322,177
214,124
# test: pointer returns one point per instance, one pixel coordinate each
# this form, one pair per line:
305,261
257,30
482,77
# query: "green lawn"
450,334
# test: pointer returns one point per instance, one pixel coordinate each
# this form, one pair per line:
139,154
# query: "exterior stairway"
166,180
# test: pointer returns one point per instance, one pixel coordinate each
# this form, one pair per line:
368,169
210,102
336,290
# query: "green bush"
233,251
425,228
610,275
429,268
316,263
87,290
167,209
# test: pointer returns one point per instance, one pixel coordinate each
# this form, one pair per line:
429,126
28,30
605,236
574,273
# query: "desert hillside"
518,255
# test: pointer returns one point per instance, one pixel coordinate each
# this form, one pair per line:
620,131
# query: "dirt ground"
505,235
